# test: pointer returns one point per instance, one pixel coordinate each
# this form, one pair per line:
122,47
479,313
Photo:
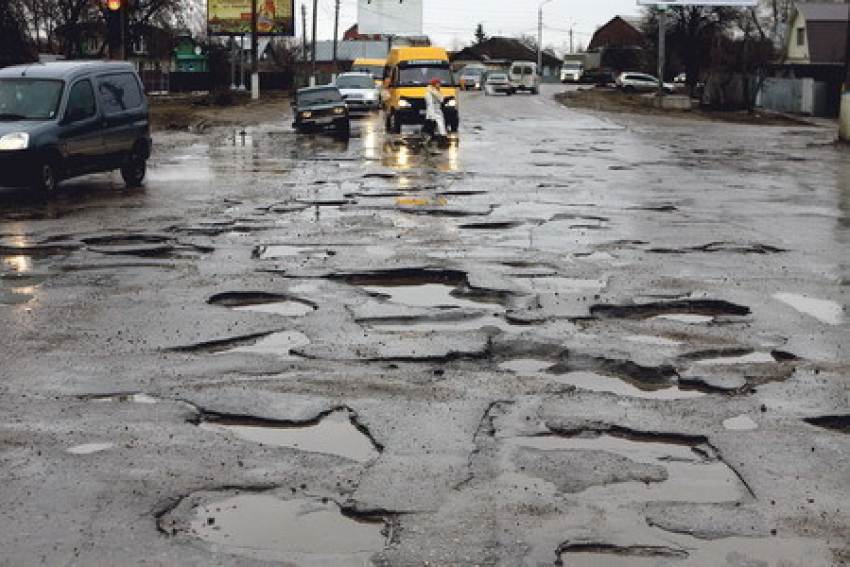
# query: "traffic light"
114,4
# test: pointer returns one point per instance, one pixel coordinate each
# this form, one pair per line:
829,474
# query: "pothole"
446,289
595,554
596,382
89,448
279,344
131,244
134,398
688,311
471,322
260,302
823,310
334,433
835,422
693,473
315,531
278,251
745,358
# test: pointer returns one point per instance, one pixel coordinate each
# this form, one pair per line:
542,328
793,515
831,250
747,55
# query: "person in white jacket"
434,110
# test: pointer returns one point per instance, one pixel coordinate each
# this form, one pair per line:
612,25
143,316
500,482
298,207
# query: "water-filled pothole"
597,382
692,476
279,344
823,310
687,310
311,530
335,433
261,302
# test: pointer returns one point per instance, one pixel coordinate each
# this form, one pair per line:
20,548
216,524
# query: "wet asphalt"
570,338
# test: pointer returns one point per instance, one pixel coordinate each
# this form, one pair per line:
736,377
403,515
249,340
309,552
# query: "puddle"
275,251
740,423
750,358
685,311
127,399
685,318
89,448
333,434
595,382
420,324
425,295
652,340
280,344
834,422
823,310
676,549
259,302
691,476
313,531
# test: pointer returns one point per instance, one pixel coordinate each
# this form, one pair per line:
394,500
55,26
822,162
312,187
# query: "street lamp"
540,37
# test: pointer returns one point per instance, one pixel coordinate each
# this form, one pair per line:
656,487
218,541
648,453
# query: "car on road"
498,82
321,108
64,119
524,76
471,78
571,72
631,82
358,90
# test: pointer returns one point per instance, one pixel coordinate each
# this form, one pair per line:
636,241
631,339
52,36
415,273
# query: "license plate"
421,113
324,120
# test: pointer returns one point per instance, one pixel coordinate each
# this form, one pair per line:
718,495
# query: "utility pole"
540,37
255,59
571,40
304,38
336,33
313,63
844,118
662,46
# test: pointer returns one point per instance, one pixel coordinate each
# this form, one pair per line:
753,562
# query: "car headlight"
306,114
339,110
16,141
451,102
404,104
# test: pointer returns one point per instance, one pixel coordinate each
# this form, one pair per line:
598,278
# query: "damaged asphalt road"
571,338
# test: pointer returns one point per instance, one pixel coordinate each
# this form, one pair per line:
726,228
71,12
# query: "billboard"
390,17
730,3
233,17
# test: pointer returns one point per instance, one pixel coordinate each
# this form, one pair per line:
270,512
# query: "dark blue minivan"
68,118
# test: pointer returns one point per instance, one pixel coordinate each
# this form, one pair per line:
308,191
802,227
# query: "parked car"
359,92
471,78
64,119
631,82
524,76
498,82
320,108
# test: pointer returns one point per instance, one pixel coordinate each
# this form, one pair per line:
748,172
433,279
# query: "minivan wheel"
46,178
133,172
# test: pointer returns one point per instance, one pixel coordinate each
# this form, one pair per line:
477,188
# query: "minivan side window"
119,92
81,104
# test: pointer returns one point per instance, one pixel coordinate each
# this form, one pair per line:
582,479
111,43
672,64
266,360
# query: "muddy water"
823,310
335,434
283,308
425,295
279,344
594,382
312,532
690,477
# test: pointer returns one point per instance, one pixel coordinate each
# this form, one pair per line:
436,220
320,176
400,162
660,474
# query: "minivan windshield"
29,99
419,73
355,82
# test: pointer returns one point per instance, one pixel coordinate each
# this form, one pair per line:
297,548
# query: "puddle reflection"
309,527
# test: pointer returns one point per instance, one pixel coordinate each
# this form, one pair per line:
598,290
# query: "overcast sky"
451,23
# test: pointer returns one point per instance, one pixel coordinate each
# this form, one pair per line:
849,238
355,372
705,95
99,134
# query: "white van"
524,76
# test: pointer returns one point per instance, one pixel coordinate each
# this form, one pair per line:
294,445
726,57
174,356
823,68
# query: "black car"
319,108
64,119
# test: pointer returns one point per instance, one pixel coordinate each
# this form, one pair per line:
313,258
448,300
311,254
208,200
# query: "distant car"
471,78
631,82
63,119
320,108
498,82
571,72
524,76
359,92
